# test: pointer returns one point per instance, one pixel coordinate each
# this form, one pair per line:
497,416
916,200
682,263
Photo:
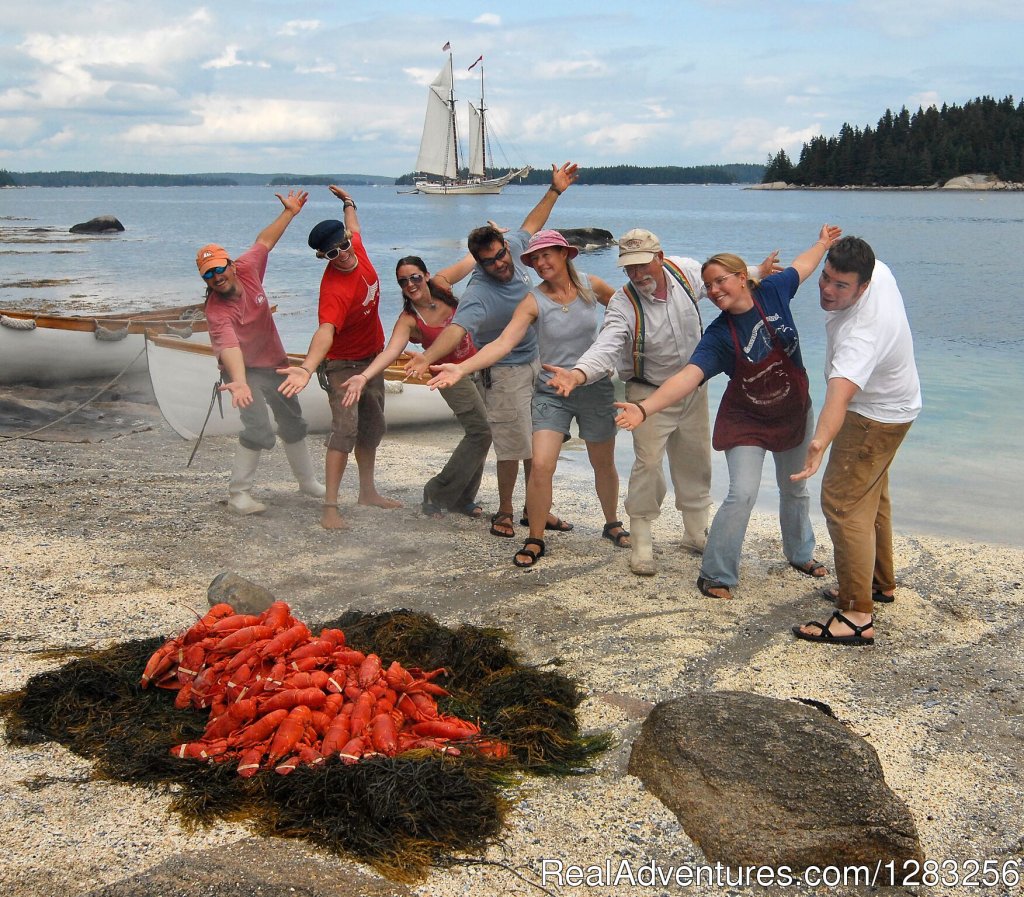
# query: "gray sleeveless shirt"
565,332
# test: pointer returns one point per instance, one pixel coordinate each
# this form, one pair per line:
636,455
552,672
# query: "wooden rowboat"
42,348
183,373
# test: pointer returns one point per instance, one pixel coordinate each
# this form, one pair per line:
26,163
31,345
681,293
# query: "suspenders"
639,334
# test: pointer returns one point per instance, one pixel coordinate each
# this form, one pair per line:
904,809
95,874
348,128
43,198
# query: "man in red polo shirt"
249,350
349,337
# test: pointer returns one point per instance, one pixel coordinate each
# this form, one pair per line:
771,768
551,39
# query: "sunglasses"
412,278
213,272
494,259
332,254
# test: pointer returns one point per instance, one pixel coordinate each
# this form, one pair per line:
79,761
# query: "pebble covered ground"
116,539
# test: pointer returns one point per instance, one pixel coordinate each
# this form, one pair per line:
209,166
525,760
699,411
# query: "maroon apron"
766,402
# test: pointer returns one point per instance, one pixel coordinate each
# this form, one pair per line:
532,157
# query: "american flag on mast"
447,46
473,66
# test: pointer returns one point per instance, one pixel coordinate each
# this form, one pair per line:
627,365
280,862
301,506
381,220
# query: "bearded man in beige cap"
650,330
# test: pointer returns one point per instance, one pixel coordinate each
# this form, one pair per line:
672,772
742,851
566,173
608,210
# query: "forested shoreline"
928,147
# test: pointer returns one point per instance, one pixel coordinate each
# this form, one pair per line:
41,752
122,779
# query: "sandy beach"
116,539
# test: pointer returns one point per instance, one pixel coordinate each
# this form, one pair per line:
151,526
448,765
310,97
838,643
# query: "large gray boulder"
244,596
104,224
255,866
763,782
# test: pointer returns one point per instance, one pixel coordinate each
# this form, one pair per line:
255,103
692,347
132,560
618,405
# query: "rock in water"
759,781
104,224
244,596
587,237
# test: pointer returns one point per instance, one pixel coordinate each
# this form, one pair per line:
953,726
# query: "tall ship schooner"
439,148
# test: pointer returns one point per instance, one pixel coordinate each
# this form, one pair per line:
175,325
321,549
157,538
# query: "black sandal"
533,556
559,526
827,638
619,539
502,518
811,568
876,596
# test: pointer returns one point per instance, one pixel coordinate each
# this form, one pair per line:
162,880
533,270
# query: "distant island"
931,147
221,179
739,173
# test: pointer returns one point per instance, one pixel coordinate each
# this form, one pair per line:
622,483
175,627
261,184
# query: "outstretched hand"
562,381
445,375
296,379
339,192
241,394
416,368
353,390
815,452
630,416
829,234
770,265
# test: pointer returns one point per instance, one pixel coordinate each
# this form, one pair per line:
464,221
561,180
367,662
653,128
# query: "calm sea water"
959,259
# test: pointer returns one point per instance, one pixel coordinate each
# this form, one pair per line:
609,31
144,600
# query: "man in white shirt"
872,398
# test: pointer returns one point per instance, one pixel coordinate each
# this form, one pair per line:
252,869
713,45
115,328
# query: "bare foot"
379,501
331,519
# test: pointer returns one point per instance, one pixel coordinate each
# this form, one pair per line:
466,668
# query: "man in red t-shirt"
249,349
350,335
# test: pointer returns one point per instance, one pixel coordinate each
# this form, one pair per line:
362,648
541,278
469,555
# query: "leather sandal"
502,519
619,539
826,637
812,568
533,555
704,586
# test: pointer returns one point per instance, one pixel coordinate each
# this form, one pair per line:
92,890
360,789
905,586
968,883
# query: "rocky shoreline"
978,182
115,539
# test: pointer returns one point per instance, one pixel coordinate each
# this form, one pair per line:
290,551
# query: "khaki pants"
855,502
683,433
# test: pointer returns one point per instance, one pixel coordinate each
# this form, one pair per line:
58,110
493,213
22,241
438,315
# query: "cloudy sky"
331,87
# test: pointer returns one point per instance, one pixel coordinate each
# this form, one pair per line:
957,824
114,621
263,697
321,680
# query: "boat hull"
183,374
490,186
63,348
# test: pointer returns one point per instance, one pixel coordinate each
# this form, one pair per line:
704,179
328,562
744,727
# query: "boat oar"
214,398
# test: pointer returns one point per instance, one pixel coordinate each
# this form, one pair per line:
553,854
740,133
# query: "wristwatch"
347,203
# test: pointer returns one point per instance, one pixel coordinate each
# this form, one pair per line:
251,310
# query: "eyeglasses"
412,278
332,254
717,282
494,259
214,272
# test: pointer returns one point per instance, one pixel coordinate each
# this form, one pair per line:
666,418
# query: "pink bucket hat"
542,240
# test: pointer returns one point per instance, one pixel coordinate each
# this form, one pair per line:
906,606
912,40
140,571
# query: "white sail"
476,142
438,146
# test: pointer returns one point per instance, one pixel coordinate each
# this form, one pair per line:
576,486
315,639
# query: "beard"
647,285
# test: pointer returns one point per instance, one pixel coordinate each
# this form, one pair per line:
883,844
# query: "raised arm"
677,387
456,271
293,204
450,374
349,206
355,384
561,179
807,262
838,395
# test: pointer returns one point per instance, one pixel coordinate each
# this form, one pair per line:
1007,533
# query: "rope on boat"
88,401
17,323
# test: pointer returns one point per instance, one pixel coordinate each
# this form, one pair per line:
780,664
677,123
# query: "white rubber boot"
302,466
243,473
641,558
695,526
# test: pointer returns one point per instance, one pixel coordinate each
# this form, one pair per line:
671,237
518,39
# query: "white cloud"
320,68
620,139
297,26
229,59
488,18
571,68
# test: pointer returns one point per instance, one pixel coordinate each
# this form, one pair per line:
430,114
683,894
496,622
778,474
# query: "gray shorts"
507,400
590,404
360,425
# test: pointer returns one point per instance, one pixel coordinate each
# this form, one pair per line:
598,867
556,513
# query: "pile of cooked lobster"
279,698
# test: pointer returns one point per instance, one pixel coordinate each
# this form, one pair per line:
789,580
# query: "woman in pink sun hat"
564,308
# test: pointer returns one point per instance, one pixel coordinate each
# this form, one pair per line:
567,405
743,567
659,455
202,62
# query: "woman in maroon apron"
766,406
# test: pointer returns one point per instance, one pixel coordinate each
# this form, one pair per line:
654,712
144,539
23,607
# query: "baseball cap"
211,256
327,234
637,247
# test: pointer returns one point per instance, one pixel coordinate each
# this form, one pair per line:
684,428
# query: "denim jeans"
725,540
